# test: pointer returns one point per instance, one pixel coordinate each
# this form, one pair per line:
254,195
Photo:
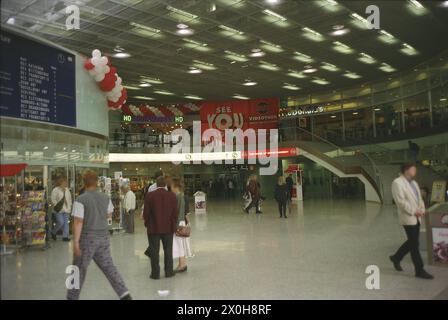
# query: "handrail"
346,170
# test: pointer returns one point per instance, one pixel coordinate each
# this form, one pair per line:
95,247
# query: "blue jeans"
61,223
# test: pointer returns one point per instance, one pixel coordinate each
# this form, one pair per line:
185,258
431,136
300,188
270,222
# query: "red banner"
240,114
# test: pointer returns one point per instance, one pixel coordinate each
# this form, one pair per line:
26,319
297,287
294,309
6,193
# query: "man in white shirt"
411,209
61,194
129,206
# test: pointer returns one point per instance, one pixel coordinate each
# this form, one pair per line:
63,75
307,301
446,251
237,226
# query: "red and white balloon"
101,70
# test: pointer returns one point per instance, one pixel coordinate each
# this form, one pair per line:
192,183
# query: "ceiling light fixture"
121,55
257,53
143,98
182,13
332,2
144,85
368,59
274,14
312,34
184,30
151,80
240,96
329,67
193,97
302,57
416,4
339,30
131,88
164,92
229,29
387,67
194,70
408,50
290,86
249,83
309,69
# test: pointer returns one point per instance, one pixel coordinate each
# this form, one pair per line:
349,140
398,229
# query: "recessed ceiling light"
274,14
194,70
257,53
193,97
11,20
164,92
302,57
377,109
442,99
408,50
355,113
290,86
144,85
339,30
46,148
121,55
152,80
351,75
312,34
249,83
185,32
240,96
444,4
364,57
333,116
143,98
272,1
416,4
309,69
329,67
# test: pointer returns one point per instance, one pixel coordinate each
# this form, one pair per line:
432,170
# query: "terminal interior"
349,102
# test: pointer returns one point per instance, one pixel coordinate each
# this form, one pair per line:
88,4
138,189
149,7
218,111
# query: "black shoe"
147,253
170,275
126,297
258,212
396,263
66,239
424,275
153,277
286,217
53,236
184,269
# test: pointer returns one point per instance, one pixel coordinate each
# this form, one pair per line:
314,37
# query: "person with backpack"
61,199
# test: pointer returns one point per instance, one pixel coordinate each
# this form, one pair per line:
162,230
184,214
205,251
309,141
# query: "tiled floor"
320,252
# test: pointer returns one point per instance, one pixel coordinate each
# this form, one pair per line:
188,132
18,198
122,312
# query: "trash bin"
200,202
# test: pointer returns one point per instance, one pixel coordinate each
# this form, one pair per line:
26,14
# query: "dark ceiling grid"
175,77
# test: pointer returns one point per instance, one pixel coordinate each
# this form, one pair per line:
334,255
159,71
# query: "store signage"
298,111
178,119
37,84
146,119
240,114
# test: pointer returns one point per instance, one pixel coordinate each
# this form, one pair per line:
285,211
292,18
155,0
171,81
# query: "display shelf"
33,218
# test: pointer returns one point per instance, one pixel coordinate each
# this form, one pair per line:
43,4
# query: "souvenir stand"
9,204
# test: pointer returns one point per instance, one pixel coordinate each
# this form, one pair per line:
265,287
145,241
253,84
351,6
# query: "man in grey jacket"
411,208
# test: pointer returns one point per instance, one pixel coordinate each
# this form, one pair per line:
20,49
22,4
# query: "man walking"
160,216
411,208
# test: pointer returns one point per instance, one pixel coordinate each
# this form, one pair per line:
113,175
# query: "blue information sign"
37,81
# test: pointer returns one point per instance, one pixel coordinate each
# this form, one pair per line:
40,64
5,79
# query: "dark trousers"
255,203
282,208
411,245
154,249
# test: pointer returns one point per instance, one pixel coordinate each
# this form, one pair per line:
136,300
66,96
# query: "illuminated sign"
301,111
179,119
146,119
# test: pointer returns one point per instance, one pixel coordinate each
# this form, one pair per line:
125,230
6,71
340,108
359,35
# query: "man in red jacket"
160,215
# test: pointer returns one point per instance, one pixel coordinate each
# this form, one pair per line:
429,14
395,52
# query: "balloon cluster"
101,70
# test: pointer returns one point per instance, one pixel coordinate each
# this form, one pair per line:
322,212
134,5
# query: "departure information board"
37,81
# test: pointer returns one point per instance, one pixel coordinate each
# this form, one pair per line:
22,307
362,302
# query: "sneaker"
424,275
127,296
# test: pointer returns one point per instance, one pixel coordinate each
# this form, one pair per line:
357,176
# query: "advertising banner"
240,114
437,234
